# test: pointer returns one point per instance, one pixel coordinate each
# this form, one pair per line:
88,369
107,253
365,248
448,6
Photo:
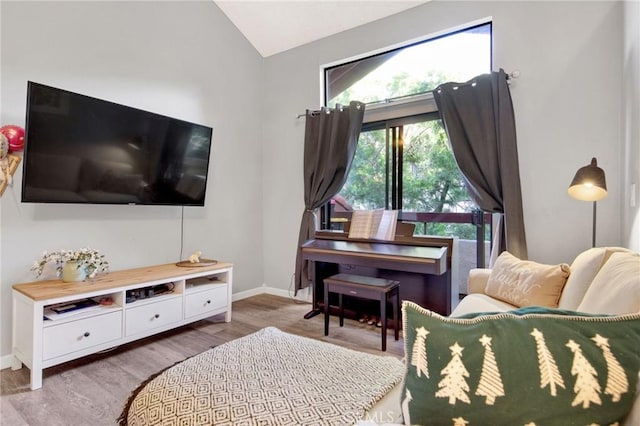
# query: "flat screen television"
80,149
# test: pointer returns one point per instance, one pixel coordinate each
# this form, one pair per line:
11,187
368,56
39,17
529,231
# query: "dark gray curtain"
330,140
479,121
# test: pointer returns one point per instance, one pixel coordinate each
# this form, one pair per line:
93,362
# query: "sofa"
572,293
560,314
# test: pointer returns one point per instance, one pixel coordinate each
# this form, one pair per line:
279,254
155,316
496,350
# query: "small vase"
72,272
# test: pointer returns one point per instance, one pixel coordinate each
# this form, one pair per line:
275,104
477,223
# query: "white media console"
131,310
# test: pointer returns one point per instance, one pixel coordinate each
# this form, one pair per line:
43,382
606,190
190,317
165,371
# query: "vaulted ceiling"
274,26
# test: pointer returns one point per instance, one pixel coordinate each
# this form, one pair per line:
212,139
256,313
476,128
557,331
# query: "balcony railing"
476,218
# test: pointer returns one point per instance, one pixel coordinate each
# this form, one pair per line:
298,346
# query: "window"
410,70
403,160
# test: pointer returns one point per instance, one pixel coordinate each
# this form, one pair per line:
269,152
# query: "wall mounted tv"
79,149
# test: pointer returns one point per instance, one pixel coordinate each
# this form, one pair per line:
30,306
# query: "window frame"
407,104
411,109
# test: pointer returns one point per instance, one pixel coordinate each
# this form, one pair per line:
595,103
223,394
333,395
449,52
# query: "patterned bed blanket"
266,378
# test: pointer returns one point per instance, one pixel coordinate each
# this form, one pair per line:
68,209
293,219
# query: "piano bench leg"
326,311
341,310
383,319
396,313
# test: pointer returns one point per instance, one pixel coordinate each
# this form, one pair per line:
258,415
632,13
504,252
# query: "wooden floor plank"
93,390
10,416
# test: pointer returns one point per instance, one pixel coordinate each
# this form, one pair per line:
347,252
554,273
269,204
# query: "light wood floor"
94,389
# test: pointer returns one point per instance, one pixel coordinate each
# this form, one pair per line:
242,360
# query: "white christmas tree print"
405,407
419,353
490,384
459,421
617,383
586,388
549,373
453,385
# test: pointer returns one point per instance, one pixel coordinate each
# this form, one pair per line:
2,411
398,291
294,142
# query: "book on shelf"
67,309
376,224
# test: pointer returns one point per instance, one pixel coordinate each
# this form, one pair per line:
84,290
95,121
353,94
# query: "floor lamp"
589,184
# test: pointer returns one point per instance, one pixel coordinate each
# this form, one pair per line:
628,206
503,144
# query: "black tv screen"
79,149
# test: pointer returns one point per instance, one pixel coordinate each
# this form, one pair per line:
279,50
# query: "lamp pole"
593,244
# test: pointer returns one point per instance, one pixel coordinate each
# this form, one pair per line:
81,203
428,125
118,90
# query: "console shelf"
190,294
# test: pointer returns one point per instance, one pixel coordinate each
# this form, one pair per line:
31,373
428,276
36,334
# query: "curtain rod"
510,76
318,111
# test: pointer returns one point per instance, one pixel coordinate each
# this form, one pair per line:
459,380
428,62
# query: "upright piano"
421,264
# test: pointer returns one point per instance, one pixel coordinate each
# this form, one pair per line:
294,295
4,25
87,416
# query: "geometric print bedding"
532,366
266,378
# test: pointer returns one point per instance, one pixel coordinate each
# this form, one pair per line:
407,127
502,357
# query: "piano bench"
366,288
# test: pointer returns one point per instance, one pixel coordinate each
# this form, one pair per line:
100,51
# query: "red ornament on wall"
15,135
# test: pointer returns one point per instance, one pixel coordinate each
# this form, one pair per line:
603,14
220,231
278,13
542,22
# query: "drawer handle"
86,334
208,302
353,292
156,316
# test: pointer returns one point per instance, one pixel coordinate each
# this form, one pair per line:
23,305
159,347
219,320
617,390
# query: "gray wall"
566,101
182,59
630,120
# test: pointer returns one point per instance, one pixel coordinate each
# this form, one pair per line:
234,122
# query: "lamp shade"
589,183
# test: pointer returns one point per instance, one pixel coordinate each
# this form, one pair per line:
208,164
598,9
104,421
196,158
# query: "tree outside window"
405,162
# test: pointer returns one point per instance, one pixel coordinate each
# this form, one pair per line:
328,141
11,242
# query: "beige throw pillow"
526,283
583,270
616,288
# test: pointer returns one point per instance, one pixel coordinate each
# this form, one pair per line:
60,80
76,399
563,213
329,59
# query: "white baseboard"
5,361
247,293
303,295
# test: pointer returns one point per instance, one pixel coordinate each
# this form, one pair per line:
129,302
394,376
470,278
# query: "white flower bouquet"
90,259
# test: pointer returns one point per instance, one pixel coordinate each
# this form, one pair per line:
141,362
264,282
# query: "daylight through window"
403,160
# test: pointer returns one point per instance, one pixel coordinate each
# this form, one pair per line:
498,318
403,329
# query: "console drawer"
202,302
153,315
74,336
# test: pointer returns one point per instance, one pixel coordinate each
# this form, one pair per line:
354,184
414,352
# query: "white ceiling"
273,26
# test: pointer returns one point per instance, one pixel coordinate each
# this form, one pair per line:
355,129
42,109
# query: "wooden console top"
51,289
